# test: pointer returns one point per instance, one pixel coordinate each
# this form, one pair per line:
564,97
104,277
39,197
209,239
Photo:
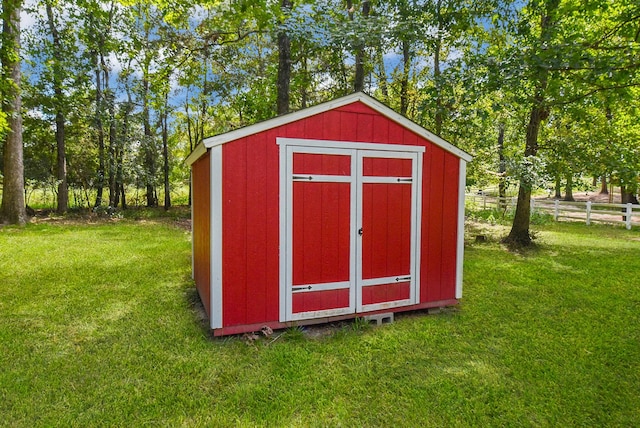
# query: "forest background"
102,100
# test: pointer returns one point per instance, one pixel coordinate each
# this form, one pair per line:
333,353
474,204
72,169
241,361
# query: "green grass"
99,326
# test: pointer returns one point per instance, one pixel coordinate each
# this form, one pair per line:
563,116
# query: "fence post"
588,213
533,204
484,202
628,217
555,210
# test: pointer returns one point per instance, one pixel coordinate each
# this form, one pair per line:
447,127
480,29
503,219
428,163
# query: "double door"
350,217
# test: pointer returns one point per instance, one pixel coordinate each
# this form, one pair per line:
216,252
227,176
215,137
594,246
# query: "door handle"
360,232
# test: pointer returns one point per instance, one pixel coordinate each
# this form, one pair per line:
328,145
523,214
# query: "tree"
565,53
12,209
284,62
58,72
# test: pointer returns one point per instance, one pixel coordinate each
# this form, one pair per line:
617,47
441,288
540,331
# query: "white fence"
627,214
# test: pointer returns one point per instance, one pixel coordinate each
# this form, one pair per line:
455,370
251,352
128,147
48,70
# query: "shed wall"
201,209
251,209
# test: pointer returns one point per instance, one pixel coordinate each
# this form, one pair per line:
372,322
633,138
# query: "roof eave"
217,140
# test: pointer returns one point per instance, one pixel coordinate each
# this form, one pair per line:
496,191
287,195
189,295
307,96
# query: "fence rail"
627,214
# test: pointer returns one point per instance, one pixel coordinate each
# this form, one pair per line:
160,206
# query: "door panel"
383,293
321,232
322,222
386,230
386,167
320,300
321,164
350,227
388,219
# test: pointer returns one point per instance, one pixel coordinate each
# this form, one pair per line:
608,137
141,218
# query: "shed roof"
369,101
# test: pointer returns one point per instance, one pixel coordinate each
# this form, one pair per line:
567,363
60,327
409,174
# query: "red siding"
449,228
234,233
201,228
439,220
251,211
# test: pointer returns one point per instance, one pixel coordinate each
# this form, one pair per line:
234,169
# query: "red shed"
335,211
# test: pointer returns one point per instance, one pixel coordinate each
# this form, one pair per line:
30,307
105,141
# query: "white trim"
398,151
416,214
197,152
193,250
321,314
460,244
416,209
358,152
331,144
388,280
412,126
340,102
310,288
312,178
373,179
357,263
386,305
417,179
284,195
353,237
286,218
216,237
298,146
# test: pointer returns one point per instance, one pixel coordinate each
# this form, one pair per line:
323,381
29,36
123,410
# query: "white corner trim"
195,154
193,250
216,237
460,244
418,174
284,196
330,105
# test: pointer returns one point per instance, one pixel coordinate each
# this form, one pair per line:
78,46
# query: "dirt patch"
591,196
183,223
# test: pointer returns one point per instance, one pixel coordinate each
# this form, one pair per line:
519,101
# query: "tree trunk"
604,190
437,73
61,159
628,195
150,158
558,187
436,78
519,234
284,64
358,82
568,195
191,145
382,77
12,208
100,131
502,167
304,90
404,81
123,197
113,145
63,187
165,154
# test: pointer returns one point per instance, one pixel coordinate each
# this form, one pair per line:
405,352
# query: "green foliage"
529,171
462,69
504,216
541,338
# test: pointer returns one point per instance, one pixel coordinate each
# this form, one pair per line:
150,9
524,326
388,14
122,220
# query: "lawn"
100,326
